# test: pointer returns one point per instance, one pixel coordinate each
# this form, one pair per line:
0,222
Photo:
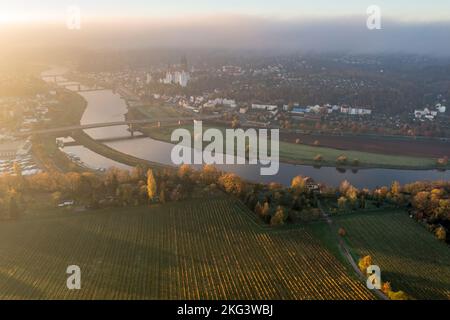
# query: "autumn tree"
209,174
162,196
344,186
56,197
184,171
278,218
364,263
441,234
151,185
265,212
341,160
318,158
352,196
258,209
342,203
231,183
298,183
137,173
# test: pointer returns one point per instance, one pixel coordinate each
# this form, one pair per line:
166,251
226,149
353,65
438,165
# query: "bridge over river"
129,123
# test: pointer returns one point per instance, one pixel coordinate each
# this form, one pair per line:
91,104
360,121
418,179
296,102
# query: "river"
105,106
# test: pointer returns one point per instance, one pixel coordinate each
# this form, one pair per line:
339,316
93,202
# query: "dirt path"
343,248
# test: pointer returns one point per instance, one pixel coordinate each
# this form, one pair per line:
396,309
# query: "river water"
105,106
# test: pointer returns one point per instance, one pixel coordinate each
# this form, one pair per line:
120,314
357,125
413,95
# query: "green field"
190,250
305,154
160,112
409,256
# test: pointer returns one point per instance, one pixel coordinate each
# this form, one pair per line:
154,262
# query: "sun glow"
9,17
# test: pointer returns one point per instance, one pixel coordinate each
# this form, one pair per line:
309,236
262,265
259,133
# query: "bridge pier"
130,128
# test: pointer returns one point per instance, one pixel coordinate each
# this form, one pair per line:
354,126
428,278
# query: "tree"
231,183
342,203
151,185
441,234
386,288
258,209
184,171
298,183
341,160
74,182
344,186
442,212
399,295
17,169
342,232
318,158
443,161
352,196
162,196
278,218
396,194
18,173
364,263
209,174
137,173
56,197
265,210
421,202
124,194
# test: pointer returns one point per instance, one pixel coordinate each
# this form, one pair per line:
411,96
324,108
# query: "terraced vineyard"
189,250
408,255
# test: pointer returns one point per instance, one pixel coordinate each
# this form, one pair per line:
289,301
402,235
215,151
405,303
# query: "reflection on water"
105,106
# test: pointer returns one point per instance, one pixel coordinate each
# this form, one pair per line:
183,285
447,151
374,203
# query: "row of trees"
428,202
273,203
364,263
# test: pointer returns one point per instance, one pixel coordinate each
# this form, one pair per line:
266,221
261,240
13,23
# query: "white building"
181,78
267,107
441,108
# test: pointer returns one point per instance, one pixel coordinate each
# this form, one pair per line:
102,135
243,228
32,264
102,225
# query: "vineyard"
409,256
188,250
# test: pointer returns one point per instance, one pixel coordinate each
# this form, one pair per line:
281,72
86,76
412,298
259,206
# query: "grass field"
188,250
305,154
160,112
409,256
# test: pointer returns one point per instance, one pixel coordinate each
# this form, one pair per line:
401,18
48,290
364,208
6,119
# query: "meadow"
189,250
305,154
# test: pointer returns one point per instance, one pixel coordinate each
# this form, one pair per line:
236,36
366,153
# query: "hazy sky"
412,26
417,10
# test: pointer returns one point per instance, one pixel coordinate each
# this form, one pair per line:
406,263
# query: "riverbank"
44,147
318,156
85,140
